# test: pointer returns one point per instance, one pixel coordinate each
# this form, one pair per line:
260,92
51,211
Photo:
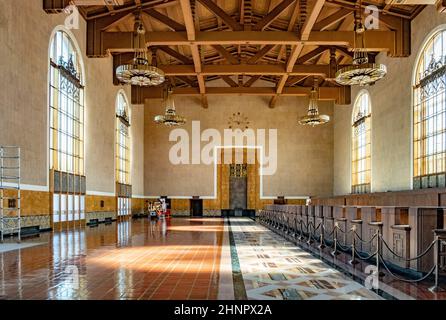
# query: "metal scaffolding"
10,221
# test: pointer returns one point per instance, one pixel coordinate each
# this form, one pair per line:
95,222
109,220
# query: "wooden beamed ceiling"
279,45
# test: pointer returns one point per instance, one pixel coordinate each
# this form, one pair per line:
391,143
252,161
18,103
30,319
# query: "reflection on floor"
5,247
177,258
139,259
274,268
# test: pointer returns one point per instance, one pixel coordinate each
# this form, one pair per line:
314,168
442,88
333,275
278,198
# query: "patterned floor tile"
275,269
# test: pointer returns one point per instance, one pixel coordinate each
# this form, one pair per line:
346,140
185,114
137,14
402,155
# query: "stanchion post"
282,229
322,244
353,261
335,240
283,224
439,236
378,253
300,231
309,233
287,224
294,227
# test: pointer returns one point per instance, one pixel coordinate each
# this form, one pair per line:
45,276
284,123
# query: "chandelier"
361,72
313,118
140,72
170,118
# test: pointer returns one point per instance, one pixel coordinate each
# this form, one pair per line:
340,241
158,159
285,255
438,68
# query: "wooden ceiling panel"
251,40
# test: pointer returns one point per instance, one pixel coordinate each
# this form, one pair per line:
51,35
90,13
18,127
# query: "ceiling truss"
284,43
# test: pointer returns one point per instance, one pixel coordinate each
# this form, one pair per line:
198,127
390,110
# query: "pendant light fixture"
140,72
313,118
361,72
170,118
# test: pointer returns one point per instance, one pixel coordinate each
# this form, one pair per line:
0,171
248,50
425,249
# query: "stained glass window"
122,140
361,146
66,119
123,152
429,114
66,93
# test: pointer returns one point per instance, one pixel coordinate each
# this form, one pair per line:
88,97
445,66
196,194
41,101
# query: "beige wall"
307,164
305,155
24,103
391,118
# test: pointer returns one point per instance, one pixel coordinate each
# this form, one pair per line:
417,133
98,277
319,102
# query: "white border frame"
262,197
215,195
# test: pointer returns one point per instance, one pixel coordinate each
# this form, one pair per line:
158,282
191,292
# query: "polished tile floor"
177,258
275,269
139,259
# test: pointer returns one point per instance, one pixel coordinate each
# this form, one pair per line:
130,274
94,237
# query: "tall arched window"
123,144
429,113
66,123
361,146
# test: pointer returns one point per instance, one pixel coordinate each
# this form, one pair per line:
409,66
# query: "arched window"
429,113
123,155
361,146
66,126
66,106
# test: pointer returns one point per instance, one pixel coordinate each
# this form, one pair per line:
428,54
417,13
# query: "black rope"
329,244
365,241
343,248
409,259
406,280
315,238
279,221
339,228
331,233
367,257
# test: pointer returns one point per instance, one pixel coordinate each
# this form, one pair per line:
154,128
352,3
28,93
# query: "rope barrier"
406,280
344,232
409,259
328,244
284,223
367,257
331,233
342,247
311,237
365,241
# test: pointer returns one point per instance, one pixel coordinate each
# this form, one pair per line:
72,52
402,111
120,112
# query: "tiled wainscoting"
42,222
36,208
180,213
186,213
211,213
100,216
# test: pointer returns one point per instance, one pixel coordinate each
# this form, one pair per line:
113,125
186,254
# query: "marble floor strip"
276,269
226,286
